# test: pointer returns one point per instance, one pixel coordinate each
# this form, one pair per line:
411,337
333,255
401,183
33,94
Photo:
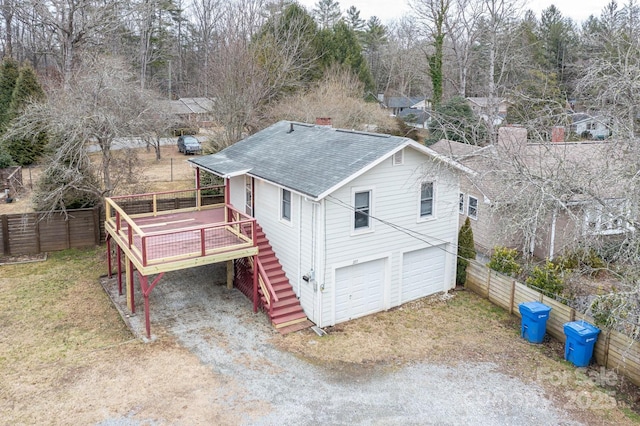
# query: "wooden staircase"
275,293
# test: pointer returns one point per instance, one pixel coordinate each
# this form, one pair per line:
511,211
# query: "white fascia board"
409,142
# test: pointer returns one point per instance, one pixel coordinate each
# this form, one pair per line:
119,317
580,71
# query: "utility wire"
410,232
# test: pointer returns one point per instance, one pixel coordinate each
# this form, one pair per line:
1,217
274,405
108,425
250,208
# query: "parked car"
189,145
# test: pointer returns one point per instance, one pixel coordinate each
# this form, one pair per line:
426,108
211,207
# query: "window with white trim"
472,207
362,204
285,205
426,199
461,203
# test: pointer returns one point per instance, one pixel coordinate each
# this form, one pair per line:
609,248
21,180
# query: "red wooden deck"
157,240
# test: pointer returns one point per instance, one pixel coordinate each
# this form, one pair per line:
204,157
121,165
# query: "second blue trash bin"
534,320
581,338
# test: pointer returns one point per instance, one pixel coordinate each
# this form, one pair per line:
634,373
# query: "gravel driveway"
218,326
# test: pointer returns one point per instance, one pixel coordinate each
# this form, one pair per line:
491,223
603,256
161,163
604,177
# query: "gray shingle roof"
310,159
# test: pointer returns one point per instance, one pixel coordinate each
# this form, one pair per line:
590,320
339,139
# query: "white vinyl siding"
394,199
284,237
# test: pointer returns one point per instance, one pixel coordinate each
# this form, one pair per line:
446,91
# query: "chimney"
512,137
323,121
557,134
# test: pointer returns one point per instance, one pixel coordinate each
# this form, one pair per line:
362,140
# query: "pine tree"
466,251
9,72
27,89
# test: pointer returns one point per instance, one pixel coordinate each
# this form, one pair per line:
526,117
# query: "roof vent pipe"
290,128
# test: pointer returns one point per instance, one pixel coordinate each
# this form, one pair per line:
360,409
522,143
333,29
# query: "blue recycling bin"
581,338
534,320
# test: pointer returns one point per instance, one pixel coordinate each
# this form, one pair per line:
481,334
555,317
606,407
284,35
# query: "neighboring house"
195,111
589,127
360,222
415,117
489,108
396,104
584,198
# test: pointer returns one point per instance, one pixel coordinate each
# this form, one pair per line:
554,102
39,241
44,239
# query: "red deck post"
147,321
255,283
146,291
119,260
133,300
109,256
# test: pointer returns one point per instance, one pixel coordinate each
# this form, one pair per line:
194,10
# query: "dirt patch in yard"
459,328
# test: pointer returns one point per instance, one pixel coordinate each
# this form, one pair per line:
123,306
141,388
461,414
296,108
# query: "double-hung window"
472,207
426,200
285,207
362,204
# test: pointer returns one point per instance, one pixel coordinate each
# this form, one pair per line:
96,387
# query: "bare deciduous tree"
103,103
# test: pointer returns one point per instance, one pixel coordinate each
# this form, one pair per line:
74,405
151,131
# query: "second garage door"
359,289
422,272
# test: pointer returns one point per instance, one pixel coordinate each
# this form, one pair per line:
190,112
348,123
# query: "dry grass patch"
67,358
457,329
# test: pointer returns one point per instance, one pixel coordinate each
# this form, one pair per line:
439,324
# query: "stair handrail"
267,282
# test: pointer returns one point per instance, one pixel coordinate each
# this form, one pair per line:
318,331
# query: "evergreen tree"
327,13
353,19
27,89
9,72
454,120
340,45
466,251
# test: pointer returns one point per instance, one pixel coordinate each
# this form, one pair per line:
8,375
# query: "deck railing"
167,201
235,232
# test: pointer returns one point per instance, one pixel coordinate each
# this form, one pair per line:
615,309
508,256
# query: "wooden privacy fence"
613,349
32,233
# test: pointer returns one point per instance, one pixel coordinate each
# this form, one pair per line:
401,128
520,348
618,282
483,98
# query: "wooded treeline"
264,48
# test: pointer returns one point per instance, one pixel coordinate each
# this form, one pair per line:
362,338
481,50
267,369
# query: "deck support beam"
109,263
229,274
146,291
119,260
255,283
131,302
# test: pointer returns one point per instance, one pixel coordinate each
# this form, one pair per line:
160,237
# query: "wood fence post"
36,217
607,341
96,225
66,221
513,293
6,247
572,315
488,282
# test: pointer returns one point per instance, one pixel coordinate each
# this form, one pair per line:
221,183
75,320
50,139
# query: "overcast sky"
386,10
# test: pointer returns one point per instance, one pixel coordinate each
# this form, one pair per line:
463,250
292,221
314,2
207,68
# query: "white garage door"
359,289
422,272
